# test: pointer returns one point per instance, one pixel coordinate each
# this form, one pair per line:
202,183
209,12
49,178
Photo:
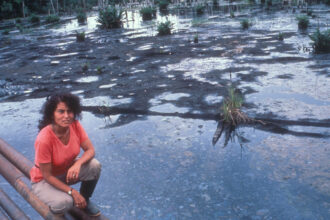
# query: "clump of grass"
196,38
99,70
165,28
321,41
85,67
81,17
231,116
232,14
280,36
52,19
18,21
5,32
34,19
163,4
148,13
200,9
80,36
110,18
231,108
245,24
20,28
303,22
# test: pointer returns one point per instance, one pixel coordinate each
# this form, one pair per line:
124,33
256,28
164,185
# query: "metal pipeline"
12,210
16,158
22,185
3,216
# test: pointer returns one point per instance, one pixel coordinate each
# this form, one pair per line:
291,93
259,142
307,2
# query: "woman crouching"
56,163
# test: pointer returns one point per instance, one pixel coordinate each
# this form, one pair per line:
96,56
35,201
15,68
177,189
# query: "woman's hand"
79,200
73,173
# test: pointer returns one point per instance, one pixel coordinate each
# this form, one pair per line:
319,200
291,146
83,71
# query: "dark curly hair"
72,101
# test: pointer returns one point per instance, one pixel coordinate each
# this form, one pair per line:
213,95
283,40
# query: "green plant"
303,21
20,28
52,19
280,36
163,4
251,2
200,9
164,28
148,13
245,23
81,17
231,107
232,15
18,21
85,67
110,18
34,19
5,32
99,70
80,36
196,38
321,41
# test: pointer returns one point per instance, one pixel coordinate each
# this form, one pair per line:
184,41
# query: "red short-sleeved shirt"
49,149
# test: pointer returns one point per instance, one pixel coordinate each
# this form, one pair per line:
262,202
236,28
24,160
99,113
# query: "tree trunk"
51,2
23,9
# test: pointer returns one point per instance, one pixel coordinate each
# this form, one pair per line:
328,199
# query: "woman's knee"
90,171
62,205
95,167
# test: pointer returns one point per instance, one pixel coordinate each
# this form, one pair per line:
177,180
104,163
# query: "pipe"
22,185
3,216
12,210
16,158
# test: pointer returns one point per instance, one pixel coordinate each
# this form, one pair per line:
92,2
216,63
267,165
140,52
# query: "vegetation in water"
110,17
232,14
200,9
245,24
148,13
163,4
34,19
303,21
85,67
5,32
24,8
80,36
232,116
81,17
52,19
196,38
321,41
164,28
280,36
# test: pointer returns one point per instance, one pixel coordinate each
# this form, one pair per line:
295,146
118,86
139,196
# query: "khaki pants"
59,201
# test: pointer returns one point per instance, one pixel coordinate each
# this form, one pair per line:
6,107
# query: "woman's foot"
92,210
